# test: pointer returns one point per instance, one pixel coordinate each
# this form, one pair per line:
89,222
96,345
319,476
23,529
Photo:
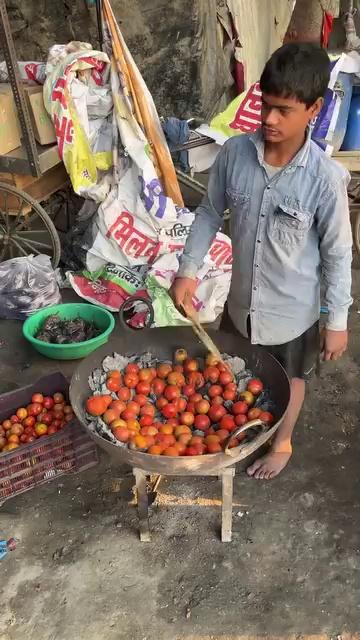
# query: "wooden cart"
351,161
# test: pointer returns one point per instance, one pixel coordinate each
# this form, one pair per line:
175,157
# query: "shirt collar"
299,160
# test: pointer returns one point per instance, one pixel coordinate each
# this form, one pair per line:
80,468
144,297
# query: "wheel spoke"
4,214
33,244
19,247
29,232
27,219
19,213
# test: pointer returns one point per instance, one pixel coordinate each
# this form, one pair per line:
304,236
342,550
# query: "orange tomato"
155,450
163,370
96,405
122,434
131,380
13,438
113,384
124,394
171,451
166,428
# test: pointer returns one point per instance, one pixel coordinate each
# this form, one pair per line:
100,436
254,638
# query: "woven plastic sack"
26,285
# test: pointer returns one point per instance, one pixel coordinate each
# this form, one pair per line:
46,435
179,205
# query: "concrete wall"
174,43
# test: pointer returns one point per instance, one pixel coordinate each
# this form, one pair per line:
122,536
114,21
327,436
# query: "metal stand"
226,476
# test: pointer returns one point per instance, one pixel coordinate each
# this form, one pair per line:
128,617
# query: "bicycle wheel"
25,227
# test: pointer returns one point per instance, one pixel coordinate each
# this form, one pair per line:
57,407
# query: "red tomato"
146,421
161,403
196,379
214,447
181,404
34,409
227,422
190,407
163,370
171,393
231,386
191,365
211,374
187,418
131,380
114,374
29,421
255,386
216,412
146,375
229,395
56,423
58,398
225,378
14,420
148,410
113,384
176,378
254,413
23,438
134,407
47,418
240,420
118,406
267,417
202,406
51,430
218,400
140,399
169,411
124,394
188,390
215,390
48,402
196,397
158,386
240,407
132,368
222,434
17,430
127,414
37,398
202,422
143,388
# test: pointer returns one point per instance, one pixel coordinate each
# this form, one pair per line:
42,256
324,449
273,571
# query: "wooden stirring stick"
204,337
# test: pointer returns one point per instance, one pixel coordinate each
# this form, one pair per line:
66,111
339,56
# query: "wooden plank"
38,188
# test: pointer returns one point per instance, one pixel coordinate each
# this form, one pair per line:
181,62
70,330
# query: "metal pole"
7,45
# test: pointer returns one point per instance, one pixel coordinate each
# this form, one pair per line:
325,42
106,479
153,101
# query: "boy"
290,228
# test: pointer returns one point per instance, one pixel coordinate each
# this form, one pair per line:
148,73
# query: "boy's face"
284,118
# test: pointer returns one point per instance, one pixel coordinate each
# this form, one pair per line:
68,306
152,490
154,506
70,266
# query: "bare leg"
280,453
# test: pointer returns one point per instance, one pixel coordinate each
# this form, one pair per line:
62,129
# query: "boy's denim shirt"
289,234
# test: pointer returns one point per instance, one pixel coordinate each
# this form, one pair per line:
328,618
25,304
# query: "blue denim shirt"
290,234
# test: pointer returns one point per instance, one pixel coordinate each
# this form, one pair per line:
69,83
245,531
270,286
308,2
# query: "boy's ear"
315,108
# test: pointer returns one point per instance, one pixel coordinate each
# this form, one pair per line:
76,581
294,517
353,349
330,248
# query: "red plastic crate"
69,451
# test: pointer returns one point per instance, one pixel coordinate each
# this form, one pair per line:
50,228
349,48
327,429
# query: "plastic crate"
71,450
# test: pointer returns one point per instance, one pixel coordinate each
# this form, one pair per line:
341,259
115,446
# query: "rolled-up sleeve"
208,219
334,228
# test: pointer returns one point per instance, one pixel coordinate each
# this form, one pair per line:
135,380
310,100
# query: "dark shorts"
299,357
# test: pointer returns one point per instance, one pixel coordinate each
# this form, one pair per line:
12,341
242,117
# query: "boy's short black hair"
297,70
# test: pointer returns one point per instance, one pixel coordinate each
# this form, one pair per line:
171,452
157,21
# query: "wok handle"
249,425
128,304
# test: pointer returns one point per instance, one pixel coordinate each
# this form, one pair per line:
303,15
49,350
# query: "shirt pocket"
290,226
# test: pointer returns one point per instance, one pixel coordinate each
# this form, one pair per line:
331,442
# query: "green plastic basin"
100,317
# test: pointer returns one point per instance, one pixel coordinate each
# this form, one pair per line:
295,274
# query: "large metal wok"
162,343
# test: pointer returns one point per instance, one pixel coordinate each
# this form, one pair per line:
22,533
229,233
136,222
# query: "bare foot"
270,465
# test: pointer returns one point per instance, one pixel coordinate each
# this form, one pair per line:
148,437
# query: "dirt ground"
292,570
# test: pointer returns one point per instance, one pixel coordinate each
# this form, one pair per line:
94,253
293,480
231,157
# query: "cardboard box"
10,133
44,131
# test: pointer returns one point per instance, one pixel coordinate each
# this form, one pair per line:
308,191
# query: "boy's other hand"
182,292
333,344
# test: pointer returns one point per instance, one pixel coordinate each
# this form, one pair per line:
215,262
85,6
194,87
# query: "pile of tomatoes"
44,416
177,409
